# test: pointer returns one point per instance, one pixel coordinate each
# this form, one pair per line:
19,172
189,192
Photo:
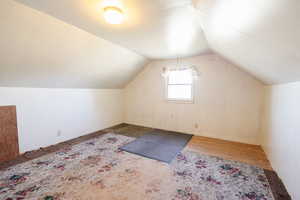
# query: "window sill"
180,101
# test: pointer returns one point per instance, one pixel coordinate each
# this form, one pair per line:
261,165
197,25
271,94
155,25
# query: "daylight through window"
180,85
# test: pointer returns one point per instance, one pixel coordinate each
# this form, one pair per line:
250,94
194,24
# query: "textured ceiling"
156,29
262,37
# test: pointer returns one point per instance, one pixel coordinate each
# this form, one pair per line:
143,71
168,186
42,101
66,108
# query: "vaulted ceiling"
38,50
153,28
262,37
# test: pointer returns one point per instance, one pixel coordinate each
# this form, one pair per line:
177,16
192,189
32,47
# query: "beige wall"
227,104
281,133
48,116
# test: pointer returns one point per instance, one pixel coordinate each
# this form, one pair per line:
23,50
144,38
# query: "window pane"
180,92
180,77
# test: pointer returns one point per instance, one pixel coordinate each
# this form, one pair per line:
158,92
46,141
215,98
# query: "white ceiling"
37,50
262,37
153,28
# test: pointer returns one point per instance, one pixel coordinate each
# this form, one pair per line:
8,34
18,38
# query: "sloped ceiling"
154,28
262,37
37,50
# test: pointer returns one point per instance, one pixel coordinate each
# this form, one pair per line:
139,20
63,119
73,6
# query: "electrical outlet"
58,134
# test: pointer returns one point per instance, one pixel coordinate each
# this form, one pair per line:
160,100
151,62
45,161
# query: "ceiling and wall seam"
51,53
272,60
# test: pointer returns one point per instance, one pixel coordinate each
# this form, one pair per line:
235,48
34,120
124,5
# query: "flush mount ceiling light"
113,15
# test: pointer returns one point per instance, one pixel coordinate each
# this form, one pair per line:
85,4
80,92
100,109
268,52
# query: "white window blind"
180,85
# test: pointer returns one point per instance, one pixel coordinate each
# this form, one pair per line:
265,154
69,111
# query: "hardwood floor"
247,153
250,154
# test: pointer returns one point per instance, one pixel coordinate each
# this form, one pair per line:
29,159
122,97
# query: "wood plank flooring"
247,153
250,154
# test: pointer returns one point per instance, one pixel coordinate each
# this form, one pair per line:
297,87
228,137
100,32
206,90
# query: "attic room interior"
149,100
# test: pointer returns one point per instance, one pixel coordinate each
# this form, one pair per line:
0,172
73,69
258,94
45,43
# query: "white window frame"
177,100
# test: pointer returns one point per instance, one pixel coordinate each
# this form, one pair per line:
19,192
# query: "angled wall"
281,133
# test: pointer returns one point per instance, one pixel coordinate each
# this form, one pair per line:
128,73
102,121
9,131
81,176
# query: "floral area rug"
96,169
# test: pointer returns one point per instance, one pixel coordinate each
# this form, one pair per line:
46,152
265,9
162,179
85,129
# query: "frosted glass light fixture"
113,15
